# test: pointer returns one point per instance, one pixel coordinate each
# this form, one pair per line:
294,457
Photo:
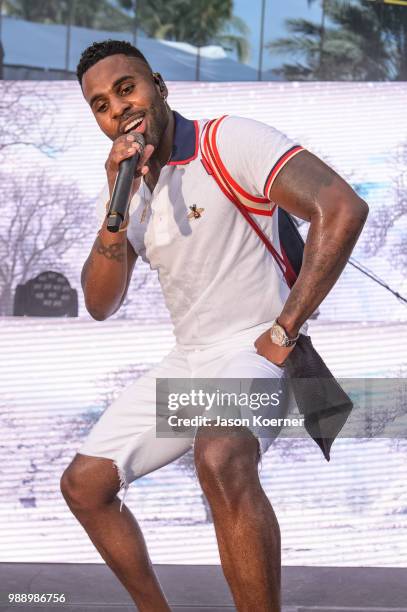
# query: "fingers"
123,147
142,168
148,151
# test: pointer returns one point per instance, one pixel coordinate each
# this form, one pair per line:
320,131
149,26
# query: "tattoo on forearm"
112,251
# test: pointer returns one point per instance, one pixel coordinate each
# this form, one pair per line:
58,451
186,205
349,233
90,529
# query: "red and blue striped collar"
186,140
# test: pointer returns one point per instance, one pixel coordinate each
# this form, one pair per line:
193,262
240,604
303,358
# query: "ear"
161,85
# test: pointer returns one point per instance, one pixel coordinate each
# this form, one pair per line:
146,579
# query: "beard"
158,117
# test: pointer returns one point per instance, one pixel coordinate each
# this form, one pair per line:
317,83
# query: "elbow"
96,312
101,313
353,214
363,210
97,316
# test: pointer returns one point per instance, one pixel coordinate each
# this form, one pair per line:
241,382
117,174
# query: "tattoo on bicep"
112,251
310,174
304,177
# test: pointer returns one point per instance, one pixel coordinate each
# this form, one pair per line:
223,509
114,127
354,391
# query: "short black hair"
99,50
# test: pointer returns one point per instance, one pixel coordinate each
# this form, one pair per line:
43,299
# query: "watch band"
286,340
291,339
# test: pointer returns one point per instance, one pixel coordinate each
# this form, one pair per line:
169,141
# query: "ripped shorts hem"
123,482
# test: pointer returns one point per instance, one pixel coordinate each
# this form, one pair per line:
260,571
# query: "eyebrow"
115,84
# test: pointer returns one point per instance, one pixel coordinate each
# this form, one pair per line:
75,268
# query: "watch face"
278,335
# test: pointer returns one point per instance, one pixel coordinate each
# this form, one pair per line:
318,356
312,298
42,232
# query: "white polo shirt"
217,277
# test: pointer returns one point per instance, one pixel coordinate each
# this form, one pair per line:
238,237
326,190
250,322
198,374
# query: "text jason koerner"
198,421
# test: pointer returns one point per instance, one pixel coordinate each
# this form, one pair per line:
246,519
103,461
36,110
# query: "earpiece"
159,80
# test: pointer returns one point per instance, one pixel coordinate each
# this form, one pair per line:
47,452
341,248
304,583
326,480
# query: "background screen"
59,374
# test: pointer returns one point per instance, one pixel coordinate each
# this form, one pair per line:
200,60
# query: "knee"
89,483
73,487
84,488
226,464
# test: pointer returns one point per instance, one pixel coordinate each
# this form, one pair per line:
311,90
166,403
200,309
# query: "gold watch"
280,337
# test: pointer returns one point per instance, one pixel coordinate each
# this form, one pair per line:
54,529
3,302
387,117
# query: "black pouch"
319,396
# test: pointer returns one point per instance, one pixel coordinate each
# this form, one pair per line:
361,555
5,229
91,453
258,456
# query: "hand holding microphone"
125,166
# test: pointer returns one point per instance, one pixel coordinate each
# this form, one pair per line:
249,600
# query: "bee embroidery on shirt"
196,213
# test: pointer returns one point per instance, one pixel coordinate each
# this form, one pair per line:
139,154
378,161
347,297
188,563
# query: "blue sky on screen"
277,11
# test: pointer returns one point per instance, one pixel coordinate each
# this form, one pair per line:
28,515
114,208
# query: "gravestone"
47,295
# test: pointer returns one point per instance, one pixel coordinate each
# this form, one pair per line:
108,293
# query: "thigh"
261,387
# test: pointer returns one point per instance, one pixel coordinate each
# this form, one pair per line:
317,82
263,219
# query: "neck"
165,147
163,153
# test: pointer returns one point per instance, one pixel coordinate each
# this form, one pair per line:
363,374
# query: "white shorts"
126,431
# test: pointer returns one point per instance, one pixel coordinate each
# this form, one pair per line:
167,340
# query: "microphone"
120,200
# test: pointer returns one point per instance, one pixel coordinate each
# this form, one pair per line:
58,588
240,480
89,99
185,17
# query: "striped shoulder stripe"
235,185
278,165
211,165
260,206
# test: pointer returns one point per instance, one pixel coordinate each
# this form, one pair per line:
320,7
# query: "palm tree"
393,21
199,23
364,41
97,14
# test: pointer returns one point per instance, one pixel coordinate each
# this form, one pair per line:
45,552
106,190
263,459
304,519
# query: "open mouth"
135,124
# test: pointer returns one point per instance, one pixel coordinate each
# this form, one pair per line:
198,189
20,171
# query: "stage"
202,588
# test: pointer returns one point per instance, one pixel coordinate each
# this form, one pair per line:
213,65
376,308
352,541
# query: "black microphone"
120,200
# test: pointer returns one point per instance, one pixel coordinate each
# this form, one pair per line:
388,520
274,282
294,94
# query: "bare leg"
90,486
246,527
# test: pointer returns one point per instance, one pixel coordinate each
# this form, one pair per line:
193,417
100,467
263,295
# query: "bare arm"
311,190
106,273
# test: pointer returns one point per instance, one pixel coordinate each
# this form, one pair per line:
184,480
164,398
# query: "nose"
119,106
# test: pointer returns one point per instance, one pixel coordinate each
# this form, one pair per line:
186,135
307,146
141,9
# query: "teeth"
133,124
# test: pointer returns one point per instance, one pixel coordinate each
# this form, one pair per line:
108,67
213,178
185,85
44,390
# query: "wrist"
291,327
124,224
280,337
112,236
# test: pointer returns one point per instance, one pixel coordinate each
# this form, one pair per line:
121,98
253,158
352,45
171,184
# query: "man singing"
233,314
